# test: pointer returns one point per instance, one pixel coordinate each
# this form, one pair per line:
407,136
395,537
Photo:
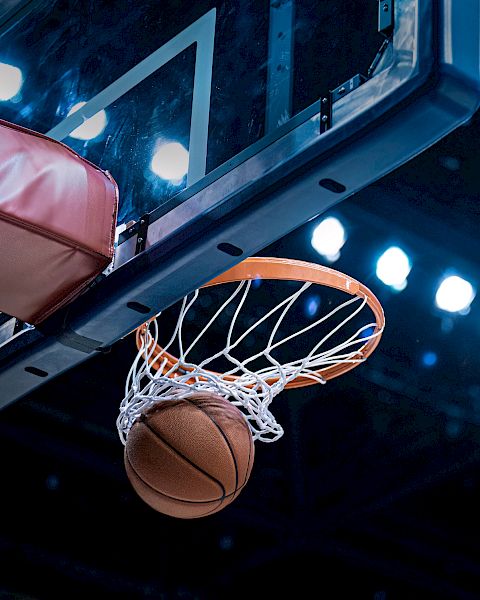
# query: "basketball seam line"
224,435
221,500
176,451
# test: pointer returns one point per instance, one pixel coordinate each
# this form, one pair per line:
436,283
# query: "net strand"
153,377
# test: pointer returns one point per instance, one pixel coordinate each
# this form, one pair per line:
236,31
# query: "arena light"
328,238
170,162
454,294
11,81
393,268
92,127
429,359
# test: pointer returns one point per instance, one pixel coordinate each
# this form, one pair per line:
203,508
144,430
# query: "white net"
154,377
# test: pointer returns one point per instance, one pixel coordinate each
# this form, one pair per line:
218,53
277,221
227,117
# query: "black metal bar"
326,112
142,233
18,326
385,16
347,87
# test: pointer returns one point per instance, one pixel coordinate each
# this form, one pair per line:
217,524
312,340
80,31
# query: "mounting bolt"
385,7
140,240
324,100
324,118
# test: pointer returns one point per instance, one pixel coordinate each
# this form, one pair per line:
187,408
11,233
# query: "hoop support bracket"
143,224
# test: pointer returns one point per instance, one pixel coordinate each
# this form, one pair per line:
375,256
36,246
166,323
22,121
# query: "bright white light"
170,161
454,294
393,268
328,238
92,127
11,81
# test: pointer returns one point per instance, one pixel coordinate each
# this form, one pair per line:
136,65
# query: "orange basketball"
190,458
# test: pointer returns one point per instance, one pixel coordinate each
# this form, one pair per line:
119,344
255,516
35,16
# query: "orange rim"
284,269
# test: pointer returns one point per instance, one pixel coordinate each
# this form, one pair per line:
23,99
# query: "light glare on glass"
11,81
170,161
92,127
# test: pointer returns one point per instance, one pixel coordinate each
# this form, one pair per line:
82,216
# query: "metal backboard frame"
426,84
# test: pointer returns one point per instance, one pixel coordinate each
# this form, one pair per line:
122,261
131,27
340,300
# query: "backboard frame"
254,198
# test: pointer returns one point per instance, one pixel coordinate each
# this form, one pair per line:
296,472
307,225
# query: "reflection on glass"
170,162
11,81
92,127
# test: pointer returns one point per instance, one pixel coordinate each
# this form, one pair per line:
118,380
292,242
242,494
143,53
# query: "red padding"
57,223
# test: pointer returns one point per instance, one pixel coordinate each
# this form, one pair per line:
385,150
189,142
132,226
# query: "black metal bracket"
385,27
325,112
18,326
343,90
142,232
328,100
386,17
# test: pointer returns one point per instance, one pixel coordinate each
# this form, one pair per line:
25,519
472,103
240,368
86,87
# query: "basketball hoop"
157,375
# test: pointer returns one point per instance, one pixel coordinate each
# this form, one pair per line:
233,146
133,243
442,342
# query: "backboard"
269,114
214,77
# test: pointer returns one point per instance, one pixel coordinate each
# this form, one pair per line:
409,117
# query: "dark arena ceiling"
373,491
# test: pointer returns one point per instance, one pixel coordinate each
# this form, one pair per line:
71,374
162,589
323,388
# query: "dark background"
374,490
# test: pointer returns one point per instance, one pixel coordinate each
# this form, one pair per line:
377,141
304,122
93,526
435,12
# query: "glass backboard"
250,66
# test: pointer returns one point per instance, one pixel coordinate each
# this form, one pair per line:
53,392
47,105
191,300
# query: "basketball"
190,458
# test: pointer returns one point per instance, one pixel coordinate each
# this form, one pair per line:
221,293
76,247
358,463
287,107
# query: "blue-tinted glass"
69,51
